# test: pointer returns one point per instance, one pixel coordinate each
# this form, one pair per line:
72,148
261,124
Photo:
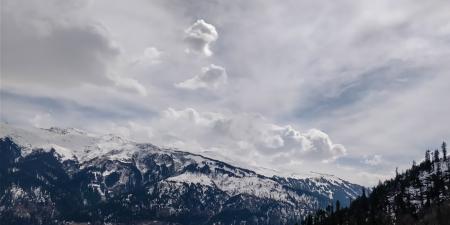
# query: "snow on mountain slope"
70,143
79,145
172,180
423,183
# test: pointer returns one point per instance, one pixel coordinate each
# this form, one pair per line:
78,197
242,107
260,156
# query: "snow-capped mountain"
54,176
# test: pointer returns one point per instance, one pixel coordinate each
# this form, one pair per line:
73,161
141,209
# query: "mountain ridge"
7,130
168,185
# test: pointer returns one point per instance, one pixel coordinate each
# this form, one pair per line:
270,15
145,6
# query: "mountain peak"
171,181
64,131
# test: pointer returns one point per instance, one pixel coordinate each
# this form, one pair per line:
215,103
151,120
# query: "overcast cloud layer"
352,88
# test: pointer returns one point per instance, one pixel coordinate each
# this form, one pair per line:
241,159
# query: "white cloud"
131,130
373,160
128,84
197,131
43,120
211,77
151,55
199,36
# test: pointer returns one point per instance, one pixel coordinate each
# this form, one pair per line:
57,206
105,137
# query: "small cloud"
128,129
42,120
373,160
193,116
211,77
199,36
129,84
151,56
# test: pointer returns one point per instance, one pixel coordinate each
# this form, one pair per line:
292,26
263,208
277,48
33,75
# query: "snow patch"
192,178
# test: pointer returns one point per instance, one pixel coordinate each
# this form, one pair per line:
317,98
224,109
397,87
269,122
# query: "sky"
353,88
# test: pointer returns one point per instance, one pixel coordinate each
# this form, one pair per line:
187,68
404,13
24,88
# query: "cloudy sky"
349,87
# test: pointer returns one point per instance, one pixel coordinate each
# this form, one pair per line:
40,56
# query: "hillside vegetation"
418,196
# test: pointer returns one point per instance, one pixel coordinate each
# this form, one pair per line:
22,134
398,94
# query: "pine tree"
309,220
437,183
363,193
436,155
447,177
444,150
428,160
427,156
329,209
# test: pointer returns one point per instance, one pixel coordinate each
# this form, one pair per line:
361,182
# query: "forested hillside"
420,195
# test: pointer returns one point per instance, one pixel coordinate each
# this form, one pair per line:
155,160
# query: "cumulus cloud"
128,84
211,77
194,130
199,36
151,55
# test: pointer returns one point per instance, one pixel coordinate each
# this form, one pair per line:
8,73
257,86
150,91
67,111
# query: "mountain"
418,196
68,176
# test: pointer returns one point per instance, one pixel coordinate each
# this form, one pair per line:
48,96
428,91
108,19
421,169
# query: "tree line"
418,196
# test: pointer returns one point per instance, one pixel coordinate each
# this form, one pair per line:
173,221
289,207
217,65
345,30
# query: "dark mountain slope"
421,195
